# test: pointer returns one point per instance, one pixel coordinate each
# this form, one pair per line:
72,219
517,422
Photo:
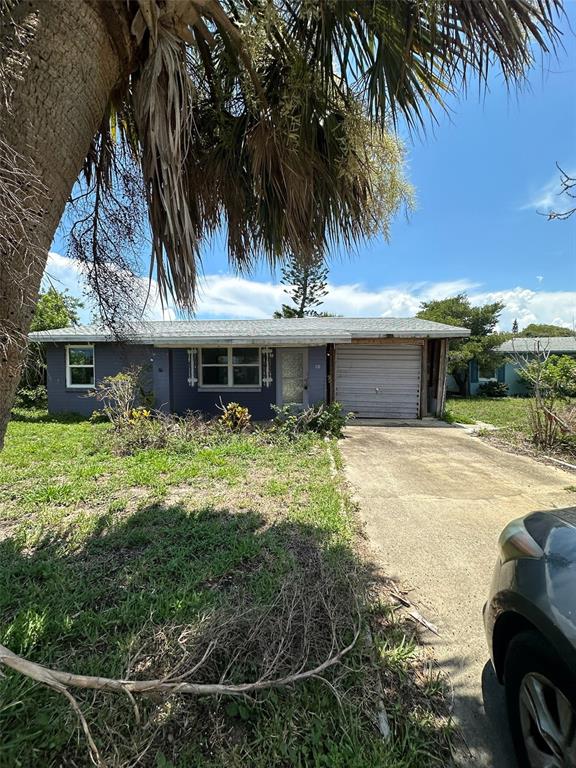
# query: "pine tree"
515,326
306,283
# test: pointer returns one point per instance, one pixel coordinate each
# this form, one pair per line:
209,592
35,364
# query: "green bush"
556,375
31,397
493,389
327,420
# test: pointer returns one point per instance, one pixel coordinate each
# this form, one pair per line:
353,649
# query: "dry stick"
56,679
412,611
61,681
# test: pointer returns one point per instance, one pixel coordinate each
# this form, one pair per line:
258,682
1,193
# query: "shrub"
554,374
327,420
121,396
31,397
235,417
493,389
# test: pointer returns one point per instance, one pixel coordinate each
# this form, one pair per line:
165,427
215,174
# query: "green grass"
106,557
505,412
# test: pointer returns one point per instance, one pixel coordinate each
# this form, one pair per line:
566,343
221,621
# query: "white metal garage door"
379,382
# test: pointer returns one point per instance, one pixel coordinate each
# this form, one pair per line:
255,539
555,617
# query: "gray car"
530,621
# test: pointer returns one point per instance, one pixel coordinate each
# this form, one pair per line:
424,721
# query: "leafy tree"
270,118
306,283
515,327
479,346
55,309
544,329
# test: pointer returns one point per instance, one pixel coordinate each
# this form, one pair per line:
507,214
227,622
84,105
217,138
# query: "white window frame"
229,366
69,384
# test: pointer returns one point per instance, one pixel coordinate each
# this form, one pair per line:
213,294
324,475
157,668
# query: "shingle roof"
553,344
283,331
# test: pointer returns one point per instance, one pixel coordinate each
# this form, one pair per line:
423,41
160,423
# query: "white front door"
292,377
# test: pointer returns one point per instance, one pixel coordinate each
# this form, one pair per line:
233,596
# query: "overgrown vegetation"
551,420
554,374
327,420
133,565
517,429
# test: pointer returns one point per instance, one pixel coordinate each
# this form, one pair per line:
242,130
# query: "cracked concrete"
434,501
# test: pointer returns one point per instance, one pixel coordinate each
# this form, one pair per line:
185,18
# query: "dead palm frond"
273,118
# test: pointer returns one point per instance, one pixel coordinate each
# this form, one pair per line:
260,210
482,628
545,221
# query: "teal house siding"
516,386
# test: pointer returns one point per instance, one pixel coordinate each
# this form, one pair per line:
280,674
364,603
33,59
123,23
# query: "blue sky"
480,175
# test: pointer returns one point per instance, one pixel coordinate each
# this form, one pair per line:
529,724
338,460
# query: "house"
376,367
519,346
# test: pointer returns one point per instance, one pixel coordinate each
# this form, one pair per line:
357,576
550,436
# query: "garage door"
379,382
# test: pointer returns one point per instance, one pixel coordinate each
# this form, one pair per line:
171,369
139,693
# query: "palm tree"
269,116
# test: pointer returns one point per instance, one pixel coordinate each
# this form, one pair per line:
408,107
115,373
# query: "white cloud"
229,296
546,198
67,274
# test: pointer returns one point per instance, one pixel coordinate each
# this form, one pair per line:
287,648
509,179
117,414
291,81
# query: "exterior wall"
161,380
516,386
109,359
184,397
169,372
316,375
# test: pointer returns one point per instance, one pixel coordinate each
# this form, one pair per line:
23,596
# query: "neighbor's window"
80,366
230,367
485,372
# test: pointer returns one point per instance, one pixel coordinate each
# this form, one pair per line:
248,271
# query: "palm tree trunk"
62,79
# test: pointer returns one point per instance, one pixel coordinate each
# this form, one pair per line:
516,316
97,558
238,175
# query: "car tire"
530,661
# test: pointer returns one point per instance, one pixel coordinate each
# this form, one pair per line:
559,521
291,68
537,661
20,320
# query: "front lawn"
510,416
130,565
511,412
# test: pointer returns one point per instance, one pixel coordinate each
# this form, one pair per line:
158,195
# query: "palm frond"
274,118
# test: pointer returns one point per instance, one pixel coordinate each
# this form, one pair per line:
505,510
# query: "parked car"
530,621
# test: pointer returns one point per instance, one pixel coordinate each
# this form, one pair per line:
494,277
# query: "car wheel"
541,702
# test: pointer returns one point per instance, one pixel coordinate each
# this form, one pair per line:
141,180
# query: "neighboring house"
376,367
526,347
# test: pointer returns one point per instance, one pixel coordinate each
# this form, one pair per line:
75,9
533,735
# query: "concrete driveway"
434,500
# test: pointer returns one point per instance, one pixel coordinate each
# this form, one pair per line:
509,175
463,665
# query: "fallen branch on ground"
283,637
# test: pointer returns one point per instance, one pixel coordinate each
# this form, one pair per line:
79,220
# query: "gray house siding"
109,359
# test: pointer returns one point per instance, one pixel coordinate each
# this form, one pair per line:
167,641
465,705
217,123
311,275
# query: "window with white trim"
230,367
80,366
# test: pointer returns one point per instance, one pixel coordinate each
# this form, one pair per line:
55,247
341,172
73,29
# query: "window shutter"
473,372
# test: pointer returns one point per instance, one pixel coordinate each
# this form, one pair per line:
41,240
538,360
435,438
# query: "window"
485,372
230,367
80,366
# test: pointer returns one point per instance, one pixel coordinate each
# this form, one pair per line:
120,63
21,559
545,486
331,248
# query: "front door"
292,377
